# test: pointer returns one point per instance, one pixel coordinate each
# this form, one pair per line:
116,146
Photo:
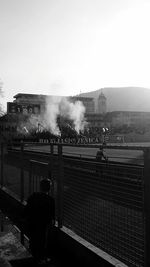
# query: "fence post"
60,187
147,204
50,170
22,173
1,221
2,164
51,157
30,178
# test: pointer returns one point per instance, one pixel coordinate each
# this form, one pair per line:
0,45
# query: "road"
122,153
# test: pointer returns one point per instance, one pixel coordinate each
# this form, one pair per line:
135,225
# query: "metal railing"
105,203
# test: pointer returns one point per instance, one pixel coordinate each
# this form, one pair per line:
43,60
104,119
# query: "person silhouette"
100,155
40,217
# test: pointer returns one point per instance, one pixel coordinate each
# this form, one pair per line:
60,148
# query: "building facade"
101,104
129,118
27,104
88,103
97,117
35,104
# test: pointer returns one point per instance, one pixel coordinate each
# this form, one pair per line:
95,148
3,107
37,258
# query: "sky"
67,47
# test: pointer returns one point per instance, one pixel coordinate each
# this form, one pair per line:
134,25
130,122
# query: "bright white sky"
64,47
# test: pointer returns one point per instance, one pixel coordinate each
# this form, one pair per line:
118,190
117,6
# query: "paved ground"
13,252
120,155
26,262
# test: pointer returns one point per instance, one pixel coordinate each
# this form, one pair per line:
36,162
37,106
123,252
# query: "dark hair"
45,185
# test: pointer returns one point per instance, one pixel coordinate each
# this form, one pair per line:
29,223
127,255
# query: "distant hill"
124,98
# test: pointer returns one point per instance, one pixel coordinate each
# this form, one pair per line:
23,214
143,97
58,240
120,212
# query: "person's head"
45,185
101,148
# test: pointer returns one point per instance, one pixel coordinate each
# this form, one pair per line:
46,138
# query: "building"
35,104
97,116
95,120
26,104
101,104
88,103
129,118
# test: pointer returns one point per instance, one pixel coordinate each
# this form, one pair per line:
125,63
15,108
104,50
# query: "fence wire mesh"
103,203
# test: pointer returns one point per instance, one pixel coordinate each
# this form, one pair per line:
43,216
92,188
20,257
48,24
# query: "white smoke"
51,113
56,106
28,124
73,111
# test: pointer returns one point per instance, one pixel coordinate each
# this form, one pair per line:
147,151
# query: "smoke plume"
56,106
51,113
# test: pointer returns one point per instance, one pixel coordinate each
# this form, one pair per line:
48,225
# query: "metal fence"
105,203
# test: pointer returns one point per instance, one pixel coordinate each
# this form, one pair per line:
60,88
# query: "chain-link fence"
103,202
